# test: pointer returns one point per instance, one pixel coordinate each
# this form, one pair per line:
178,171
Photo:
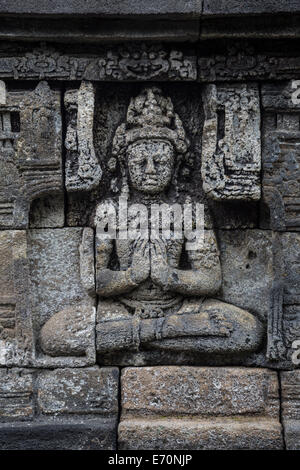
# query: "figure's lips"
151,181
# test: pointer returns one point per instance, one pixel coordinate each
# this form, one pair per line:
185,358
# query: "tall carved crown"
150,115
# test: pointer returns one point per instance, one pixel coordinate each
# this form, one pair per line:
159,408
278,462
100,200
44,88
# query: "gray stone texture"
169,102
97,434
198,391
248,7
47,212
290,386
280,185
83,171
16,395
88,391
169,8
73,408
151,301
199,408
231,151
248,269
291,292
31,147
16,334
62,311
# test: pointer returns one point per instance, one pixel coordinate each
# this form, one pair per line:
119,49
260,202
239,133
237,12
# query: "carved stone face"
151,164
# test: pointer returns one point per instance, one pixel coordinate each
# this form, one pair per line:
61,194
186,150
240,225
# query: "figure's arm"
109,282
203,279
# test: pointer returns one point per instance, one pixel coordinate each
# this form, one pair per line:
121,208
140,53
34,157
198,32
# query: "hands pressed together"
150,260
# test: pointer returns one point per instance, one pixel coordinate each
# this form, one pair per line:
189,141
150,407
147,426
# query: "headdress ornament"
150,115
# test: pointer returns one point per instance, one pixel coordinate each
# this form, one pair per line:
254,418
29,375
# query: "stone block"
290,388
169,8
47,212
97,434
183,434
30,157
248,7
247,269
199,408
91,390
16,335
62,311
198,391
16,395
280,208
289,261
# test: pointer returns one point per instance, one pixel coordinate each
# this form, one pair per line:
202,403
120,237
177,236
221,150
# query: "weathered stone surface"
291,290
16,335
290,385
183,434
16,395
83,171
218,314
281,176
241,60
99,434
47,212
247,268
63,313
198,391
68,332
91,390
144,61
199,408
30,157
278,97
96,31
235,7
67,408
142,277
231,156
169,8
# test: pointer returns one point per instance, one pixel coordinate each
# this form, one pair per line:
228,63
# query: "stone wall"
147,343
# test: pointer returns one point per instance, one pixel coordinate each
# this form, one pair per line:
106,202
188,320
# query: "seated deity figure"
147,298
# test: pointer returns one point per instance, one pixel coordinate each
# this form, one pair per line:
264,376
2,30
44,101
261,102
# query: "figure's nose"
150,168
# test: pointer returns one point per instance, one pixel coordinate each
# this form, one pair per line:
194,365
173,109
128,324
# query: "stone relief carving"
142,61
133,61
63,312
281,175
150,301
231,154
83,171
243,62
66,294
30,156
16,333
42,63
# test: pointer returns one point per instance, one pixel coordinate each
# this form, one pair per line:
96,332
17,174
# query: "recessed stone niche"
152,340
